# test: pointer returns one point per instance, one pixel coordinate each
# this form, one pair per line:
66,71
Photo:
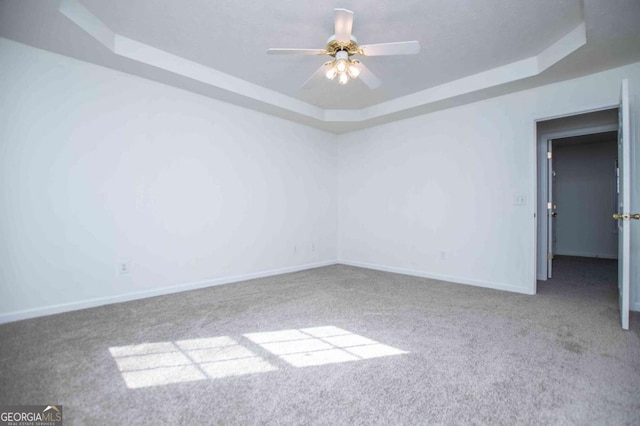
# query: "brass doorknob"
618,216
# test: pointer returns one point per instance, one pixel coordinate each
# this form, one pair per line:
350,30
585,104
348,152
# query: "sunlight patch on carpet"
321,345
163,363
155,364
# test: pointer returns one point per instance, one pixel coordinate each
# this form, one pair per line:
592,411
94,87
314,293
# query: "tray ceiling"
470,49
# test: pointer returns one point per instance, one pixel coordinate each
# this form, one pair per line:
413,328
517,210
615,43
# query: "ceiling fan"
342,46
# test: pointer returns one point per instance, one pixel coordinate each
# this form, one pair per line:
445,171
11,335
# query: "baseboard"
100,301
583,254
448,278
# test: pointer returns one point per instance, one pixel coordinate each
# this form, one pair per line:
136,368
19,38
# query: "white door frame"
549,210
624,205
540,178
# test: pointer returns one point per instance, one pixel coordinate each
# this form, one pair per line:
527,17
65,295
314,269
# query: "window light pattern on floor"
320,345
156,364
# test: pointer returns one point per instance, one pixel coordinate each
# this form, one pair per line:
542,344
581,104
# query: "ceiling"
471,49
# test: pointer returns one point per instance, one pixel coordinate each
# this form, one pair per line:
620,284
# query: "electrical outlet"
124,267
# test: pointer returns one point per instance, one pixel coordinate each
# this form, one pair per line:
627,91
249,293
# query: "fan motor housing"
334,46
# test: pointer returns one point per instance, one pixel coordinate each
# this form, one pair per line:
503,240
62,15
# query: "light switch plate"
520,200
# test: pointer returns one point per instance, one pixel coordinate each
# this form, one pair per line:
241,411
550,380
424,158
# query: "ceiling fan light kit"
343,67
342,46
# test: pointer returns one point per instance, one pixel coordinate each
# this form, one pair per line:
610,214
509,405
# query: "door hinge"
549,205
549,154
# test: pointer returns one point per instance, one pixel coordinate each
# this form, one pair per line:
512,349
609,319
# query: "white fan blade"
343,24
315,77
295,52
399,48
368,77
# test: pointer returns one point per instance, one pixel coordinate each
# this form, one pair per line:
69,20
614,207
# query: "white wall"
584,192
98,166
435,195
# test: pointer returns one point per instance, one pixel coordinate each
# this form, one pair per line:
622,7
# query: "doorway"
575,204
601,121
584,194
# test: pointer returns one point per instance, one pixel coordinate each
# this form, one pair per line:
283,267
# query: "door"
624,203
551,208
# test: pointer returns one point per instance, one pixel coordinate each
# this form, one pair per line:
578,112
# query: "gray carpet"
472,355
